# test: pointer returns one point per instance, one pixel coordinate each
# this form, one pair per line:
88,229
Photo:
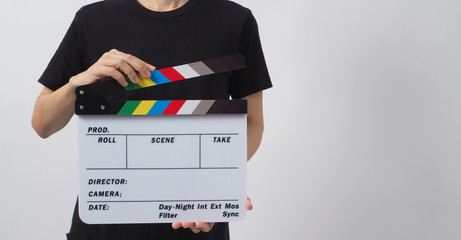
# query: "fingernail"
136,79
151,68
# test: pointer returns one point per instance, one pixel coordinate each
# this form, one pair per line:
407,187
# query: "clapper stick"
94,98
190,70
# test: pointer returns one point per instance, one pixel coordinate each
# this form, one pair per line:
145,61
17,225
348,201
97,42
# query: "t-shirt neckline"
135,6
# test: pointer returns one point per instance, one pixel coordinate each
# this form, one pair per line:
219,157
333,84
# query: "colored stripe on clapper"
190,70
181,107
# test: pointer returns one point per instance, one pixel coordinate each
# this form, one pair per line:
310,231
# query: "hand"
195,227
115,64
249,205
202,226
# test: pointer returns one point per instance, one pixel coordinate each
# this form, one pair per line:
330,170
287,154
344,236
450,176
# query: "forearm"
255,123
53,110
254,135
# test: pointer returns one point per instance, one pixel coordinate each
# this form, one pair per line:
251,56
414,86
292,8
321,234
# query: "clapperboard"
161,161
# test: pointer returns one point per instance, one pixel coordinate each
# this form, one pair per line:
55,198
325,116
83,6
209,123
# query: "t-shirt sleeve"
255,77
68,59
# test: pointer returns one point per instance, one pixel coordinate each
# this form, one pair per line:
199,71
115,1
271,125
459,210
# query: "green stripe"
131,85
129,108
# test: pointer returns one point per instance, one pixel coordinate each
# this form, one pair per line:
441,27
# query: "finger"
191,226
188,224
205,227
142,67
114,60
114,73
176,225
126,69
210,224
195,229
201,225
249,204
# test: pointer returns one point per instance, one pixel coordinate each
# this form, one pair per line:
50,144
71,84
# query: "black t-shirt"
199,30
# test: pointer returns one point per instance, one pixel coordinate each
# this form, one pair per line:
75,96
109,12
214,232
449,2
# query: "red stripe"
172,74
173,107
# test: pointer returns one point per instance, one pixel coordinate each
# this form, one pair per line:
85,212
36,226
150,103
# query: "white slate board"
162,169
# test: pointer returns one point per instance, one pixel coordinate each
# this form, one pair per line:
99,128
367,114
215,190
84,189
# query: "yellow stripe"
144,107
145,82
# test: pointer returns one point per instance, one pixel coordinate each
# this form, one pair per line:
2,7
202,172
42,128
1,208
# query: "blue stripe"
158,77
159,107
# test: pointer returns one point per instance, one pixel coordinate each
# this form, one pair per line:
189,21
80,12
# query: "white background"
362,135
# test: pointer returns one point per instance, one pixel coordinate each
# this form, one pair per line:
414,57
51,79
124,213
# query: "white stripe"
188,107
186,71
